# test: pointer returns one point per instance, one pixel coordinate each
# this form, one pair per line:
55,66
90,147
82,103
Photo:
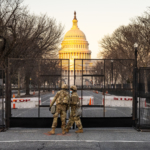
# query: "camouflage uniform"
74,104
62,100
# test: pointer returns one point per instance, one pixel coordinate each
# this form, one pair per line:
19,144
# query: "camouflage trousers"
62,112
73,118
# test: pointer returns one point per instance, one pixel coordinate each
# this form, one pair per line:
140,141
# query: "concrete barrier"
84,100
28,102
121,101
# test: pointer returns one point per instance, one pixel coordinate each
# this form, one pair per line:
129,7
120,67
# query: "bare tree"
26,35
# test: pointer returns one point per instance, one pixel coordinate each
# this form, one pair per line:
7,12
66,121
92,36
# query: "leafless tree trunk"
145,81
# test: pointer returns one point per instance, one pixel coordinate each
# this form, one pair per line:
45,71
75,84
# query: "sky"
96,18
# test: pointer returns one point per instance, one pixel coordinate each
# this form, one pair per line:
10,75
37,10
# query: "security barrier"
27,102
120,101
46,77
143,106
84,100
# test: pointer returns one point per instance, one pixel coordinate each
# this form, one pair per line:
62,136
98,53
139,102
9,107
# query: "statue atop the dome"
75,15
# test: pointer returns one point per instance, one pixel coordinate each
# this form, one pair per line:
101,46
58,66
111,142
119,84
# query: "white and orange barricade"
27,102
120,101
85,100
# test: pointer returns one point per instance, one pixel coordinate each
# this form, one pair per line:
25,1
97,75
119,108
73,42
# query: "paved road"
96,139
87,112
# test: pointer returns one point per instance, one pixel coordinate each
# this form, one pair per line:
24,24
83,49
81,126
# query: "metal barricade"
143,104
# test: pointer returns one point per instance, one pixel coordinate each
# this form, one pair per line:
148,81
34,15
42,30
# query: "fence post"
7,96
135,87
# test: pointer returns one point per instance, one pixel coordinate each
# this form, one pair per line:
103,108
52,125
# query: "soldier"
62,100
74,104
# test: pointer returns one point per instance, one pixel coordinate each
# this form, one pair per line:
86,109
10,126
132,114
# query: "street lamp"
30,83
101,66
135,47
135,85
2,39
112,72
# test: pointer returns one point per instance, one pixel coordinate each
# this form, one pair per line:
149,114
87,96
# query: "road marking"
23,112
88,141
100,108
123,113
43,101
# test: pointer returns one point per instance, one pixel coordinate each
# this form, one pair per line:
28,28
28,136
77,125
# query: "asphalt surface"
97,139
87,112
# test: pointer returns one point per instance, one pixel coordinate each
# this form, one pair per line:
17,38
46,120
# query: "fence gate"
105,88
33,84
144,99
106,91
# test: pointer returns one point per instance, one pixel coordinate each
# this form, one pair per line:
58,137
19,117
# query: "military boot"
63,132
67,130
79,131
52,132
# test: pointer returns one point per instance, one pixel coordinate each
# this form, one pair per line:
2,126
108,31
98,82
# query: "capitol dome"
74,33
74,45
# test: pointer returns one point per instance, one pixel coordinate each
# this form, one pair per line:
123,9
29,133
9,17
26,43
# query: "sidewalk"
93,138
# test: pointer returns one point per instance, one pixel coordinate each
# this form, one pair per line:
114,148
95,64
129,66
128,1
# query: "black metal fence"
144,98
110,84
2,124
33,83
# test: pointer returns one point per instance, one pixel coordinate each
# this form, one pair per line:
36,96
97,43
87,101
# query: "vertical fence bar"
39,89
2,96
39,102
104,91
7,95
60,76
139,101
82,90
74,71
69,74
2,101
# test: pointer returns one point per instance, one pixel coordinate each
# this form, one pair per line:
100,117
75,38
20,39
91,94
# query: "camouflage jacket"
74,100
61,97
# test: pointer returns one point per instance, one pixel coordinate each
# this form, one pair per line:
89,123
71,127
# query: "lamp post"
2,39
30,83
135,85
112,72
135,47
